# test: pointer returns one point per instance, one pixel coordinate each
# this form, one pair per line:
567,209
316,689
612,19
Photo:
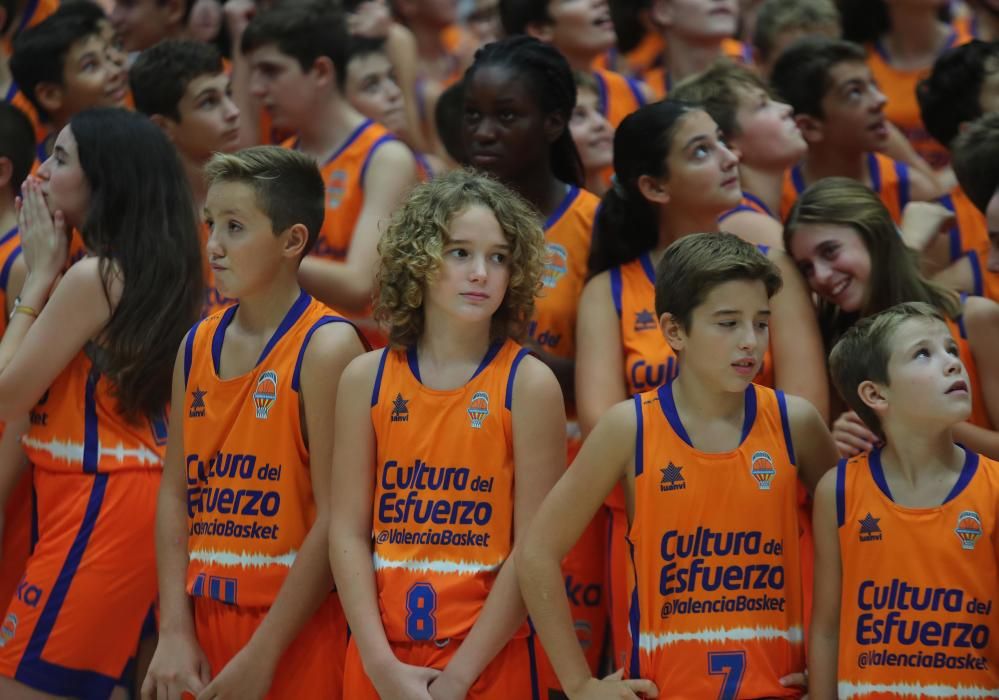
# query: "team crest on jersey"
645,320
478,408
336,186
400,411
197,403
8,629
763,469
672,479
870,531
969,528
556,265
266,393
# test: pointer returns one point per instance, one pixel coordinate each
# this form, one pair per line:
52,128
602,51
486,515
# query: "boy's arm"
348,285
981,320
604,459
823,646
178,664
959,276
899,148
795,341
756,228
538,417
351,508
599,357
249,674
814,448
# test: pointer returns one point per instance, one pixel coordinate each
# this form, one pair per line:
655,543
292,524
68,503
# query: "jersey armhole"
189,351
976,273
378,377
615,287
840,493
296,376
639,436
508,399
8,263
785,424
902,171
636,91
371,154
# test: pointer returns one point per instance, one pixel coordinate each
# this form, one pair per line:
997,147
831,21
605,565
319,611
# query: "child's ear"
654,189
661,13
175,10
296,238
50,96
166,124
323,69
672,331
542,31
811,128
873,395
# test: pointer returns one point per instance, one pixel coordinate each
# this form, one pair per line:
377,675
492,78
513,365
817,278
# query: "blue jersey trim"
521,354
798,179
601,92
874,169
902,171
7,236
968,472
841,492
189,352
296,375
563,207
371,152
290,319
533,660
650,270
954,233
878,473
636,91
91,436
40,674
978,283
786,425
616,289
219,336
378,377
7,265
634,619
639,436
668,405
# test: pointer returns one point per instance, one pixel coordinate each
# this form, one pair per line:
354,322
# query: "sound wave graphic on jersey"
72,452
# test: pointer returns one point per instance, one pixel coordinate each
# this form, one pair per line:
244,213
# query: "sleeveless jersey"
889,180
637,62
749,202
567,238
76,426
617,96
979,412
902,109
970,231
344,175
10,250
18,99
660,81
443,508
986,282
35,12
918,625
717,609
249,488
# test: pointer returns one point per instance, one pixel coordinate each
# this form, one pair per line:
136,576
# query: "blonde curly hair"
411,253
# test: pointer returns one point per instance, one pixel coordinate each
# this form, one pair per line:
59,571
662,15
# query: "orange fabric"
249,493
567,238
20,100
970,231
88,585
618,96
16,537
986,281
905,625
660,82
889,180
35,12
511,674
637,62
718,608
979,412
443,510
311,666
899,86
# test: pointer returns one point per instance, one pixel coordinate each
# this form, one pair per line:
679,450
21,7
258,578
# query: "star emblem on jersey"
400,414
672,479
266,394
197,403
478,408
763,469
969,528
645,320
869,528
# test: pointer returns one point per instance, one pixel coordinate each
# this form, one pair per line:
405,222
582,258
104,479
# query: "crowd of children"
499,349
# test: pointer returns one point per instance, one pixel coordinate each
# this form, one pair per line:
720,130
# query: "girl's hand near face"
43,234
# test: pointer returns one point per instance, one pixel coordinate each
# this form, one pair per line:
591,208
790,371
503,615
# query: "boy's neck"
330,126
684,57
829,160
767,185
579,60
262,312
693,398
915,453
917,35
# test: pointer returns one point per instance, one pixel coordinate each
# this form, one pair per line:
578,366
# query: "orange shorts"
312,665
88,585
17,518
511,675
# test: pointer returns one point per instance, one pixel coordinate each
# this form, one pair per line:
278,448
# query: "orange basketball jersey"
969,232
641,59
717,608
76,426
919,612
660,81
617,96
979,412
344,175
249,487
10,251
889,180
18,99
749,202
443,508
567,239
899,86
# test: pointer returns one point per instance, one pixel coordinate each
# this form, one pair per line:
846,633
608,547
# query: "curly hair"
412,246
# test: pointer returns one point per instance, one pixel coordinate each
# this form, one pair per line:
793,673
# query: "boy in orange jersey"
64,65
581,31
182,86
840,111
245,587
298,58
711,464
456,433
907,536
